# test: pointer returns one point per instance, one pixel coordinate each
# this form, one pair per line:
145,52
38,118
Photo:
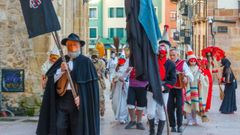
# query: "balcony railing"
183,8
199,10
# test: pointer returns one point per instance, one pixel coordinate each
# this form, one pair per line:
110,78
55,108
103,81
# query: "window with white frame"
119,12
116,12
120,32
93,12
111,12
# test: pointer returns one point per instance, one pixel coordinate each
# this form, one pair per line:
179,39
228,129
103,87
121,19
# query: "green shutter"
111,32
120,32
111,12
93,33
119,12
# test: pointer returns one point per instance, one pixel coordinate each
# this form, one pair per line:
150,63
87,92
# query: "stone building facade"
19,52
212,23
225,18
200,24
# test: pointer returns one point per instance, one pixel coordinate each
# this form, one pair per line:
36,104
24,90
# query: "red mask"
163,50
192,60
121,61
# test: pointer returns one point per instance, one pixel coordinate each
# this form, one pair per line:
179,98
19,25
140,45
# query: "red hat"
165,39
190,54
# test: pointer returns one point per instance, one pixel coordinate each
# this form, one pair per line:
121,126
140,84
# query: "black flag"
39,16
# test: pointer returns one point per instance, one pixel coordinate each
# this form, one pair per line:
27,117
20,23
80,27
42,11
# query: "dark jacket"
171,76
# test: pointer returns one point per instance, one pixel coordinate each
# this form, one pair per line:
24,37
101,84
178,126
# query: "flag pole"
57,41
167,118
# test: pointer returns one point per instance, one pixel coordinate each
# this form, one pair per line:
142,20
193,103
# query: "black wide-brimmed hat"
73,37
165,42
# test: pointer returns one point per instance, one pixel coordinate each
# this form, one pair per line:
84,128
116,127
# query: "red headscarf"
163,49
162,61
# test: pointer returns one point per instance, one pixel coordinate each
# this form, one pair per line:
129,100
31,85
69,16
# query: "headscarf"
225,63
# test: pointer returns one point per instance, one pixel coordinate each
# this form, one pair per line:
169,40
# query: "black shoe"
151,127
173,129
130,125
140,126
160,127
180,129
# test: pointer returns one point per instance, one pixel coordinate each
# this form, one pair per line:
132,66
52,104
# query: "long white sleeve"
59,73
188,72
46,66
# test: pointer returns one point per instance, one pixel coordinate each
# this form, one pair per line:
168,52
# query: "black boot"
160,127
151,127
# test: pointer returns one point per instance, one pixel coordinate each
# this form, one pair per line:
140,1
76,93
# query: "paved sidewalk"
219,124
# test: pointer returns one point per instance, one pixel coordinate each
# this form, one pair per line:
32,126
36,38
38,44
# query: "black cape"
84,74
229,104
142,56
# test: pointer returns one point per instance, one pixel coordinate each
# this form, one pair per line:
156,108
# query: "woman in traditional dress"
229,101
202,63
196,94
120,90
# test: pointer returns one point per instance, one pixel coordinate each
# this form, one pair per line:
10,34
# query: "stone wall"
230,41
19,52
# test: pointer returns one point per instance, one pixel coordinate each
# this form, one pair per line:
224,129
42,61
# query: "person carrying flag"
167,71
61,113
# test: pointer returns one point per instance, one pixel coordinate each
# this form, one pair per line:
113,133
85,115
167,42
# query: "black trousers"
137,96
67,115
175,102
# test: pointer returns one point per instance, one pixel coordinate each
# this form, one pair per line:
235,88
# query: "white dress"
120,90
112,63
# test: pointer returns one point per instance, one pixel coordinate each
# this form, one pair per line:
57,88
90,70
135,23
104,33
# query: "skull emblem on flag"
34,3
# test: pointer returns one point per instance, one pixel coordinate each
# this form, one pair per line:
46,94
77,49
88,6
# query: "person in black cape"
59,114
229,101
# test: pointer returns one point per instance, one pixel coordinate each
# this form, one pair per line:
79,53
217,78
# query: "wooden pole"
167,118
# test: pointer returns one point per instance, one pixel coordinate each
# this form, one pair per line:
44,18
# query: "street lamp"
210,21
